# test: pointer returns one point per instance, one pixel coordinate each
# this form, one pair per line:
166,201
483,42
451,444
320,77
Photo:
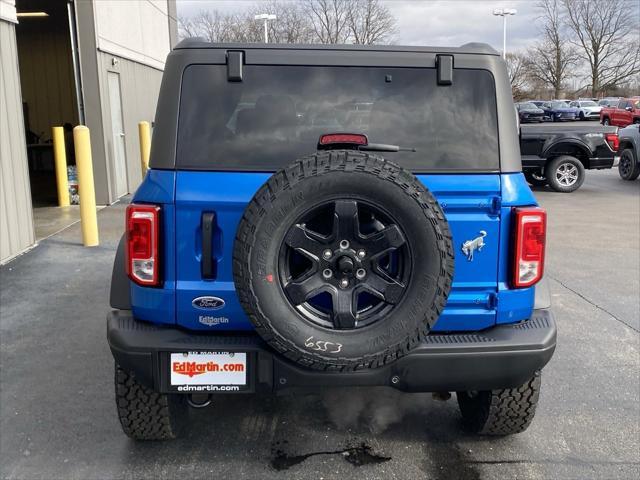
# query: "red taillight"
530,230
613,140
343,138
143,223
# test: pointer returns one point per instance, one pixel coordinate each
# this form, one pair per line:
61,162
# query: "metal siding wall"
16,216
139,85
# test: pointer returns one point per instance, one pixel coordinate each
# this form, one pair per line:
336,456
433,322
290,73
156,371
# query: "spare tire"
343,261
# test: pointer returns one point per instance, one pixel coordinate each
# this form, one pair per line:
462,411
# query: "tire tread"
143,413
315,165
501,412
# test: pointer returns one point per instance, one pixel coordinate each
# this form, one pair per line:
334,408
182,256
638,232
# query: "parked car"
244,270
528,112
559,157
559,111
626,112
587,109
609,101
629,165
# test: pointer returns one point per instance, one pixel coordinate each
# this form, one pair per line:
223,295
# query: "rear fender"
573,147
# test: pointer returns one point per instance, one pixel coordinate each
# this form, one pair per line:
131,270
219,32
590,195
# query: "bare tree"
330,20
606,34
552,58
517,69
187,27
292,24
370,22
308,21
215,26
211,25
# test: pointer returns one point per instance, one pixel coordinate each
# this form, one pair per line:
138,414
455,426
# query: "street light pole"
504,12
266,17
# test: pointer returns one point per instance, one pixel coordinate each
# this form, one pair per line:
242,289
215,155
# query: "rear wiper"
383,147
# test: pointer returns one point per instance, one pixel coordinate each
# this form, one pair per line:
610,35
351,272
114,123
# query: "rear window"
277,113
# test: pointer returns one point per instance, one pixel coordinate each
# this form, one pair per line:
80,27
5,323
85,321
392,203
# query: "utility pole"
266,17
504,12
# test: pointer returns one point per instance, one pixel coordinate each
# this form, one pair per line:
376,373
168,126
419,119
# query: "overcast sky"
431,22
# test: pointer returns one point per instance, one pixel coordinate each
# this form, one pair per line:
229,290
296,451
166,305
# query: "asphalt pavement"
58,418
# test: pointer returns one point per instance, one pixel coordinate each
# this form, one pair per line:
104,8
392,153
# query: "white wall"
134,29
8,11
16,220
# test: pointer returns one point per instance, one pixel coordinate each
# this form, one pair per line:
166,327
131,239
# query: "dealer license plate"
208,368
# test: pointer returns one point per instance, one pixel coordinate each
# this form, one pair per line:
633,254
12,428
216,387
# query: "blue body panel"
159,304
480,295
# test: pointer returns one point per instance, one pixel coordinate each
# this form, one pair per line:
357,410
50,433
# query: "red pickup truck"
625,113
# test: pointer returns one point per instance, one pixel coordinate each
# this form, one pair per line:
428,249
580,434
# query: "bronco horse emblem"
470,246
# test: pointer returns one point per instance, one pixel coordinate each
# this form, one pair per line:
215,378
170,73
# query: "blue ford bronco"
337,216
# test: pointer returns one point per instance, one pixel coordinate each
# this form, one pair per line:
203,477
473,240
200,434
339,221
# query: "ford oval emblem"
208,303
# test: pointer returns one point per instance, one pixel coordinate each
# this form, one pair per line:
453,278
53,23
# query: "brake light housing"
142,234
613,140
530,230
343,140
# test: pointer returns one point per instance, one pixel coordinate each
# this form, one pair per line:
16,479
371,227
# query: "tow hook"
199,400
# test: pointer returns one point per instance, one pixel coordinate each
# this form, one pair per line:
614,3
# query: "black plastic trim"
208,266
234,66
504,356
445,69
120,295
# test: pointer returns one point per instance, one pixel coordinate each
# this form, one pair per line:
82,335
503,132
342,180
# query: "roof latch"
445,69
234,66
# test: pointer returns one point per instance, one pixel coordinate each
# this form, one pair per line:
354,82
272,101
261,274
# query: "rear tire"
629,167
605,122
500,412
565,173
143,413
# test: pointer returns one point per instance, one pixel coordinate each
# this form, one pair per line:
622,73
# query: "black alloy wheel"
628,168
345,264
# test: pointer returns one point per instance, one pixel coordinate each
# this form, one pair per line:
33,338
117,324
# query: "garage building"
69,62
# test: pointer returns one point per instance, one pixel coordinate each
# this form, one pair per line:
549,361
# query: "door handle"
121,134
207,266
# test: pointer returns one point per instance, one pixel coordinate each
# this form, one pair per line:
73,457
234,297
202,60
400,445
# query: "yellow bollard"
144,132
60,157
86,189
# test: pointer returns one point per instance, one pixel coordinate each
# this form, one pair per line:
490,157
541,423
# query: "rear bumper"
601,162
501,357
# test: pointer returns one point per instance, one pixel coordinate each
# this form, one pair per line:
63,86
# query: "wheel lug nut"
327,254
327,273
344,283
361,273
344,244
361,253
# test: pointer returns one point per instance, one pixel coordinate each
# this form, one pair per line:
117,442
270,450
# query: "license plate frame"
196,372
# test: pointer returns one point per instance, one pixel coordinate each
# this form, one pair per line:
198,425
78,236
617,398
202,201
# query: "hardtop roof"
467,48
